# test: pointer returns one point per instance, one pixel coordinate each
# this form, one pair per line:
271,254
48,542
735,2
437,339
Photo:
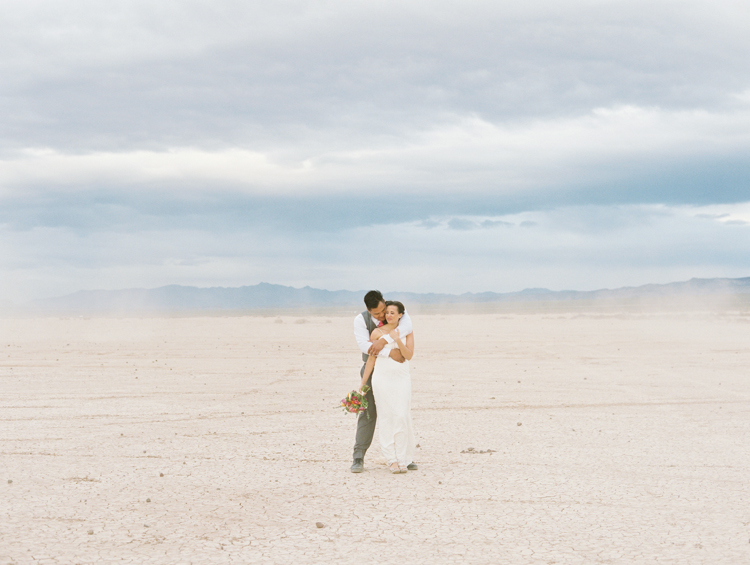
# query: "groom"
364,324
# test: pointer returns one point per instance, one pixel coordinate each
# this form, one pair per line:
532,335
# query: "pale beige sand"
617,439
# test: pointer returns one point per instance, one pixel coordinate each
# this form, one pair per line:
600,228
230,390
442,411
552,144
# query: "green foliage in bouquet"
356,401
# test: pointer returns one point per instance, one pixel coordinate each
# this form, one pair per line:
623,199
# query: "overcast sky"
413,146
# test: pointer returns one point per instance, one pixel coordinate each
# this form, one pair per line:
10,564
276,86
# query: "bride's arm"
407,349
369,366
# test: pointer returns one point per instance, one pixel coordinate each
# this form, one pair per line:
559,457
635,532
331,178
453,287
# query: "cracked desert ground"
615,437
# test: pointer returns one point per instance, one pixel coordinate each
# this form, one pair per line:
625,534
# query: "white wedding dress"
391,385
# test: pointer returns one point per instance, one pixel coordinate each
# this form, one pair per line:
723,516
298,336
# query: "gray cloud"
226,143
461,224
90,76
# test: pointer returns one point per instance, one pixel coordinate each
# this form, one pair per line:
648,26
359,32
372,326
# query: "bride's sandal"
395,468
402,469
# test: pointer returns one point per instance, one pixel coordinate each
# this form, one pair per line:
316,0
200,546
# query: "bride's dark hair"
397,304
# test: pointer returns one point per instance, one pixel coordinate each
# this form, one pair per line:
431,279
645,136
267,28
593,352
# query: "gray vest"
371,325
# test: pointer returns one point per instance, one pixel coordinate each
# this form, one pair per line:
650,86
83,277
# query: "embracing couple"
384,335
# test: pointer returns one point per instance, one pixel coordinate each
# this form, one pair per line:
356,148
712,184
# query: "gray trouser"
365,425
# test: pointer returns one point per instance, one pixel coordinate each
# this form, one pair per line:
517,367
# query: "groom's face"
378,312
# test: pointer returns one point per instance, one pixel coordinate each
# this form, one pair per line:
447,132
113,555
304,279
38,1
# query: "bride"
391,385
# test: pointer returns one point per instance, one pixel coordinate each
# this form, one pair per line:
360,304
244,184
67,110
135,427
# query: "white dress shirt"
363,336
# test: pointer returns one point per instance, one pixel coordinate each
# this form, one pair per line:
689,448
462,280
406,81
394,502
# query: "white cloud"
738,213
467,153
49,169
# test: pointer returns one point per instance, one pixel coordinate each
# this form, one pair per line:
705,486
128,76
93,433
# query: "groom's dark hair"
373,299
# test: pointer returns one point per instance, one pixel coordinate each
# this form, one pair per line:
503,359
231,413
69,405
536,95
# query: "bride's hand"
394,334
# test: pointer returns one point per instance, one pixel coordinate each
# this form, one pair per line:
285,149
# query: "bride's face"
392,315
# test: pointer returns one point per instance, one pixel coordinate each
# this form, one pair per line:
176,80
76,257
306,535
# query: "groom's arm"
404,325
363,337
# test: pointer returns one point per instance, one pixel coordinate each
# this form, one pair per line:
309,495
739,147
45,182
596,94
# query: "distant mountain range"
264,296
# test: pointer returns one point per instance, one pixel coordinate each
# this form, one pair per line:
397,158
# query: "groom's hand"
395,354
376,347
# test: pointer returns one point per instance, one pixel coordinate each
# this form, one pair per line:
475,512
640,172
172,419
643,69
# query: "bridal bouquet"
356,401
